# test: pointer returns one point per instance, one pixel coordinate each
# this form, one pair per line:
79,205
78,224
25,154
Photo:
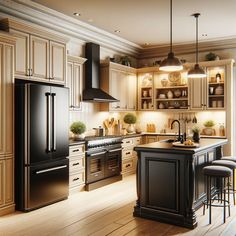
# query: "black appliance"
41,145
92,91
103,161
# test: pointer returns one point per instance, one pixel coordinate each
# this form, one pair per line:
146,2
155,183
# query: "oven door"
113,162
95,166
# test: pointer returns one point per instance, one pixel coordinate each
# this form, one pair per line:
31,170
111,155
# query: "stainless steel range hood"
92,91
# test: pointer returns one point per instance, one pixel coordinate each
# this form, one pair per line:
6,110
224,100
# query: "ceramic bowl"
162,95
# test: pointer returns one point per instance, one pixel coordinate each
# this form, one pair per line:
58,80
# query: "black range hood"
92,91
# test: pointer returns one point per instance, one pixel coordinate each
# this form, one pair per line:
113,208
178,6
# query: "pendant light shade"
171,63
196,71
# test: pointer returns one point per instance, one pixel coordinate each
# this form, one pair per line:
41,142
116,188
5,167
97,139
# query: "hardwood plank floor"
106,211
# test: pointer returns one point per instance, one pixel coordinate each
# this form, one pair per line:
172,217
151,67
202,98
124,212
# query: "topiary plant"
209,123
195,129
77,127
130,118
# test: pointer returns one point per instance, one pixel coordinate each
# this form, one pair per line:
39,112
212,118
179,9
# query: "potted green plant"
208,130
130,119
78,128
196,131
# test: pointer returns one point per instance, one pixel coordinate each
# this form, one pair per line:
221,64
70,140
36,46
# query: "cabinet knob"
128,165
75,179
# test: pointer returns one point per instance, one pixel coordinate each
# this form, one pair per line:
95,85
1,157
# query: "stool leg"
228,197
204,204
223,187
233,182
209,198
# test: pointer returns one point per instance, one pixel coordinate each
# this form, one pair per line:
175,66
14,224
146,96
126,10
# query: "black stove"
103,160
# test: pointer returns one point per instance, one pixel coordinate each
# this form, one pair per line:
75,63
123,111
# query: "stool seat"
217,171
229,164
229,158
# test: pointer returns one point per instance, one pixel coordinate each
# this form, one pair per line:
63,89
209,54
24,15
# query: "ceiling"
147,22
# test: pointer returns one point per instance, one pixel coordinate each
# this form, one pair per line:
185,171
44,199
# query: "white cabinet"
76,168
6,124
74,81
39,55
121,83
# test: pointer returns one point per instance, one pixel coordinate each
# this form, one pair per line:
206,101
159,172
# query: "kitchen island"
170,183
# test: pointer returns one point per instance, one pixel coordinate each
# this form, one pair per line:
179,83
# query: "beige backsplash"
93,117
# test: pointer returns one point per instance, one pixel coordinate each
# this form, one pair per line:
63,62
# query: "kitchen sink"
167,141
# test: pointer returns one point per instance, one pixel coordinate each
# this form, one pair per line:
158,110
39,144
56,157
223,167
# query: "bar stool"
232,166
221,172
229,158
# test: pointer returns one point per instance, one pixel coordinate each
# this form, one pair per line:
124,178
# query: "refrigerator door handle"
54,118
48,96
51,169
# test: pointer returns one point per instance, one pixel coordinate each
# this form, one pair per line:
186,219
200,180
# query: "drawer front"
76,150
127,142
127,153
129,165
77,164
137,141
77,179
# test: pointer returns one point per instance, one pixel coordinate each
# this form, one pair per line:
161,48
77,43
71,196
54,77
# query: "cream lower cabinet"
156,138
74,81
76,168
39,55
121,83
6,124
129,156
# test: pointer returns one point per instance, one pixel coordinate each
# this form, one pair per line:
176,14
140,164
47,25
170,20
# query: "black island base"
170,182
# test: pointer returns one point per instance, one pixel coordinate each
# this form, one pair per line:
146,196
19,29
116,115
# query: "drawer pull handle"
75,164
128,165
127,153
75,179
76,150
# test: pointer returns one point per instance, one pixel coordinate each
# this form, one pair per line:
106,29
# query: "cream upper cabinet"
197,93
121,83
2,101
57,62
39,57
2,182
22,53
74,81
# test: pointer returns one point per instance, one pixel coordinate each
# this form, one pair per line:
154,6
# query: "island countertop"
163,146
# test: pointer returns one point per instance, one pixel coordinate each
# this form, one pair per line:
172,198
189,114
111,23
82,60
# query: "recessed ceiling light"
76,14
117,31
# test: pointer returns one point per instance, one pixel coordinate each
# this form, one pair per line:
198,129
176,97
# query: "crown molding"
188,48
33,13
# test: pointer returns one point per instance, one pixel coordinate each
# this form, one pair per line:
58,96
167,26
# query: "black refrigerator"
41,145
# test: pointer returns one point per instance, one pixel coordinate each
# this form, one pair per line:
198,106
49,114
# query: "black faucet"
180,137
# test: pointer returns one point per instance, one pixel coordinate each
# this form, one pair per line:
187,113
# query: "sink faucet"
180,138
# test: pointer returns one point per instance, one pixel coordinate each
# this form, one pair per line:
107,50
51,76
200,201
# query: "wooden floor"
105,211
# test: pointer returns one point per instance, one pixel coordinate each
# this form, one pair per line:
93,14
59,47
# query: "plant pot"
77,137
208,131
130,128
196,137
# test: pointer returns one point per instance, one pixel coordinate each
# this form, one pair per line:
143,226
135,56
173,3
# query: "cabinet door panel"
21,53
2,114
9,189
1,183
131,91
196,93
70,83
115,89
39,57
77,74
57,62
8,98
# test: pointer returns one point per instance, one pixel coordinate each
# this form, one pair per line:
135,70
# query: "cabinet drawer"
76,150
129,165
127,153
127,142
137,141
77,164
77,179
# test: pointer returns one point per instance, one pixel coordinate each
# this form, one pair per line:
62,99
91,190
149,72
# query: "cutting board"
179,144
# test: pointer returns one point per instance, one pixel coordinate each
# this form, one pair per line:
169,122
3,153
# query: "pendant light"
196,71
171,63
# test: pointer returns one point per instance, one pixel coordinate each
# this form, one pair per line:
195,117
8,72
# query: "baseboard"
7,209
